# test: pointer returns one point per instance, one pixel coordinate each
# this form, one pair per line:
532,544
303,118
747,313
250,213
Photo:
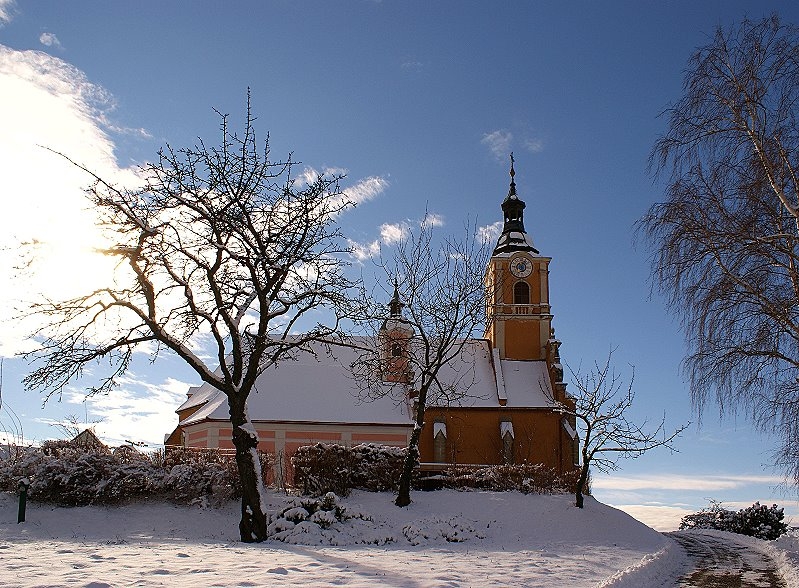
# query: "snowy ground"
504,539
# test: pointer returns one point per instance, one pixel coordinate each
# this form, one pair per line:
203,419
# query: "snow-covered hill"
444,538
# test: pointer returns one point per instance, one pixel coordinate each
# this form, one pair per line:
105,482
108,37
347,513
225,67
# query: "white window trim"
568,428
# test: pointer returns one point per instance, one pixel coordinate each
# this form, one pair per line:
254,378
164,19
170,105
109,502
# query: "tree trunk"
411,459
412,455
252,527
581,485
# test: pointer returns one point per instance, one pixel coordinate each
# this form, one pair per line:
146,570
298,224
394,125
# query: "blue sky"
420,102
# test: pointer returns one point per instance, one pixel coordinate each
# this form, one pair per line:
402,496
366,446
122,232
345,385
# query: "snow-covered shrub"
76,478
321,521
193,474
67,474
757,520
377,467
129,454
527,478
18,465
761,521
453,530
329,467
322,468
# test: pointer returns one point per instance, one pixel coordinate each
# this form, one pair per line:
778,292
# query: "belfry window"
396,350
521,293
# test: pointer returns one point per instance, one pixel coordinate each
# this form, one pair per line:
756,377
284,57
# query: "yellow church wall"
473,437
522,340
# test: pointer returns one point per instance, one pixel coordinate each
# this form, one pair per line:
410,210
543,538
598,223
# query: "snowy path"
721,561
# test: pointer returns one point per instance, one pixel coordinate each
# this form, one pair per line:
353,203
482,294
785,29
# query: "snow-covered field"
444,538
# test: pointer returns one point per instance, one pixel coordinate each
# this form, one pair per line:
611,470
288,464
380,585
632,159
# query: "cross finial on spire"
512,190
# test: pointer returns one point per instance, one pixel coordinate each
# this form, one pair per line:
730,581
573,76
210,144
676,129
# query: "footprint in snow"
278,571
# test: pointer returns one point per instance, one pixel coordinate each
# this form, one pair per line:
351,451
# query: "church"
509,415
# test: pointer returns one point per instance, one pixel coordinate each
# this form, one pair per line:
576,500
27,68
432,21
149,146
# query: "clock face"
521,267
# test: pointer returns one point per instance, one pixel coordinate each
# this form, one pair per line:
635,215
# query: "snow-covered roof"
309,387
320,387
197,396
511,242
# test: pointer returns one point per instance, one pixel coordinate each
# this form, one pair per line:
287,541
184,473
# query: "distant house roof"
88,440
320,387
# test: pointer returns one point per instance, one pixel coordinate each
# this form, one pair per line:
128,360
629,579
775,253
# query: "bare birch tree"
601,413
220,245
438,303
725,240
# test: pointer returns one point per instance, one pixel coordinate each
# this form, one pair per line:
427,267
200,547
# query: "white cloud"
136,411
412,65
534,145
498,142
391,233
6,11
366,189
364,251
680,482
432,219
659,517
49,103
489,233
50,40
363,190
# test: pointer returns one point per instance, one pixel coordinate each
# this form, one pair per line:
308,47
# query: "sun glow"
49,237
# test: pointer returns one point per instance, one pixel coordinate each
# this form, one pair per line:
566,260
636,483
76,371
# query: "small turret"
395,336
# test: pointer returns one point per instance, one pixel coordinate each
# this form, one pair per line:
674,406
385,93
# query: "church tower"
395,336
517,288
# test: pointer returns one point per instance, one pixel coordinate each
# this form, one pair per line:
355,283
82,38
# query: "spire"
513,237
395,306
512,190
395,320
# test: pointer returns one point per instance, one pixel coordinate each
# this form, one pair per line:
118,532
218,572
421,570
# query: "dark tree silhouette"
725,240
438,303
220,245
601,414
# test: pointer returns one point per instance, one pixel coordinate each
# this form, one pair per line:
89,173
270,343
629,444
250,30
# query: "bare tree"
71,426
221,246
442,292
601,414
725,240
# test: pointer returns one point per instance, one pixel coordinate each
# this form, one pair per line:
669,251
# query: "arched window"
396,350
521,293
439,442
506,433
